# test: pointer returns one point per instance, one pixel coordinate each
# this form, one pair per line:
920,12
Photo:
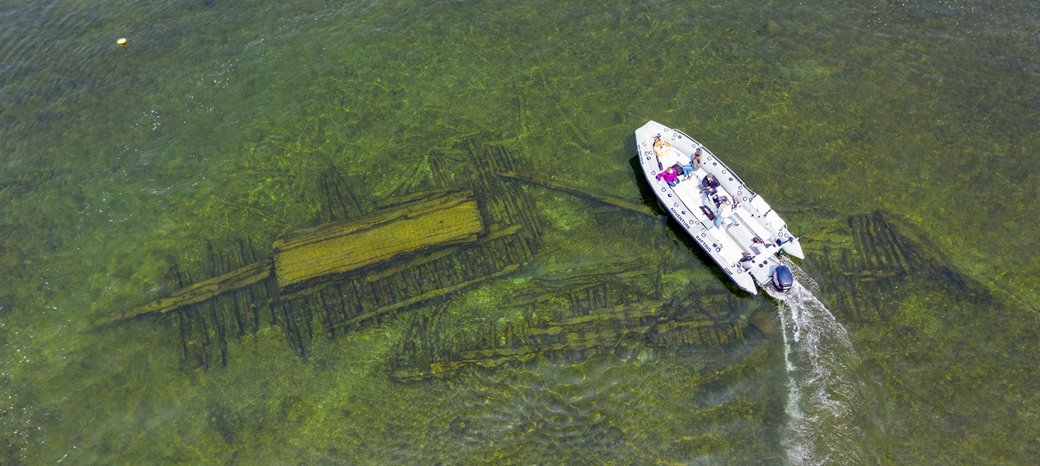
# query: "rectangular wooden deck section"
438,220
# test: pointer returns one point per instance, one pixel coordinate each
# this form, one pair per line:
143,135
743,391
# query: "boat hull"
744,239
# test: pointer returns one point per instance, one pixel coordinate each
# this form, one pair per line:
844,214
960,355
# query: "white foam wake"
828,421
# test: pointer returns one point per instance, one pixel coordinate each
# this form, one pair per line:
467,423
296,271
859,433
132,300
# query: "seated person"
670,175
709,185
660,145
666,155
687,170
746,259
683,170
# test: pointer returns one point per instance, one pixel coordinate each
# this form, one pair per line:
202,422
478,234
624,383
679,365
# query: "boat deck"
746,242
740,233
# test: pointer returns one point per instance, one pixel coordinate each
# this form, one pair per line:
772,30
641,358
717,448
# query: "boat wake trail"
828,418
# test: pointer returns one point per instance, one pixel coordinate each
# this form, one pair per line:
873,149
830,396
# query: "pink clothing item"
668,175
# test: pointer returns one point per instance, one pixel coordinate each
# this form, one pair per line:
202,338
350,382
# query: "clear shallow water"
215,120
829,420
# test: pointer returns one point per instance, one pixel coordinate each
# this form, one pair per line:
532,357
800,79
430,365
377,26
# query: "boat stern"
782,278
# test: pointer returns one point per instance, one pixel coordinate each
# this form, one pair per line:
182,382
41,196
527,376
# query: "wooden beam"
197,292
641,209
399,267
439,220
426,296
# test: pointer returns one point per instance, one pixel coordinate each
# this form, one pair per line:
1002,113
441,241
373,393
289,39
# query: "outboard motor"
783,280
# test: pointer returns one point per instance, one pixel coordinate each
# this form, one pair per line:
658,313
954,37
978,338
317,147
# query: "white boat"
744,235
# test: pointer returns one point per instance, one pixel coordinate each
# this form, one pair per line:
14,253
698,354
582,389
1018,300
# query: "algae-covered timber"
652,323
866,262
198,292
572,313
343,247
640,209
430,295
441,219
504,234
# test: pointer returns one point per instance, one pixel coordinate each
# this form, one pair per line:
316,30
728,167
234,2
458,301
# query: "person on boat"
709,185
670,175
660,145
725,209
666,155
746,259
687,169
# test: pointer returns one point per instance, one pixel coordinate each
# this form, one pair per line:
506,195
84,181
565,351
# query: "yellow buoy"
121,41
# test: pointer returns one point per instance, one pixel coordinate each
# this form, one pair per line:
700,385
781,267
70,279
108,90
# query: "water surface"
217,119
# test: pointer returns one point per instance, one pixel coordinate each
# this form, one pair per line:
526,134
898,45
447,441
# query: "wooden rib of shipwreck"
198,292
865,264
641,209
442,219
571,313
649,322
586,332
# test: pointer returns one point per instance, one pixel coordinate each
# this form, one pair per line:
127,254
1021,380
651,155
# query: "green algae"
215,121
